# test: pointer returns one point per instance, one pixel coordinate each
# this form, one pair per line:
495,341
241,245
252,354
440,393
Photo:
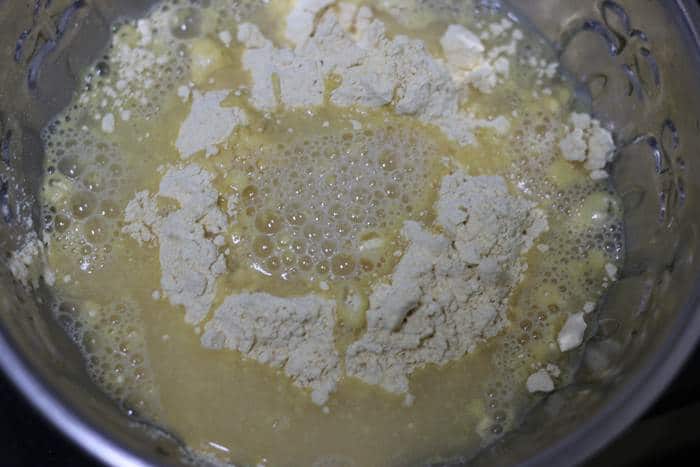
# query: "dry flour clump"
142,218
589,143
470,62
450,291
208,124
189,257
23,261
295,334
373,71
301,19
540,381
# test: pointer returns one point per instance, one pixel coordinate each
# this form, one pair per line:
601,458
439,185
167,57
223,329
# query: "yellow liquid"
140,350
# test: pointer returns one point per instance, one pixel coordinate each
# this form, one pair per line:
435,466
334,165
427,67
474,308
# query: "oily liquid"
375,171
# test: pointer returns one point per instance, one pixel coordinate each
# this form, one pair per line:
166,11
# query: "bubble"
366,264
116,170
268,222
306,263
185,23
273,263
109,208
82,205
343,265
70,167
387,161
342,229
102,69
288,259
355,216
311,233
296,218
93,181
95,230
263,247
61,223
328,248
249,194
322,268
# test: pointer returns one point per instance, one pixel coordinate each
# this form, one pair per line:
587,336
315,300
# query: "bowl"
637,62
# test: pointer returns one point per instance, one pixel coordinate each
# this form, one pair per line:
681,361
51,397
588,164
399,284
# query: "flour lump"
449,292
190,260
208,123
540,381
589,143
469,61
142,219
374,71
294,334
300,21
23,261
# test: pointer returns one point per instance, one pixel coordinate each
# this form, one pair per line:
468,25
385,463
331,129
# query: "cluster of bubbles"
538,315
83,190
138,77
110,338
132,77
85,187
142,65
585,219
184,17
312,209
85,176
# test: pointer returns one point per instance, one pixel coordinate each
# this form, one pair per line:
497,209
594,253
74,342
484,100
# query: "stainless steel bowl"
639,64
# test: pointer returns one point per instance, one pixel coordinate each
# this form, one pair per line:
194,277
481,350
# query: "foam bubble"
311,203
115,351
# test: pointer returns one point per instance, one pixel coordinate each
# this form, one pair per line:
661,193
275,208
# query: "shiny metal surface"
638,64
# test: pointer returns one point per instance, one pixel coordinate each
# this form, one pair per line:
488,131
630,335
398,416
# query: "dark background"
668,434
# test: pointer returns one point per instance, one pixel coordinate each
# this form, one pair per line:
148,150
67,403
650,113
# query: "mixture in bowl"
324,232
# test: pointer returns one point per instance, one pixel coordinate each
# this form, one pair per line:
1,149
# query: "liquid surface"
315,198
